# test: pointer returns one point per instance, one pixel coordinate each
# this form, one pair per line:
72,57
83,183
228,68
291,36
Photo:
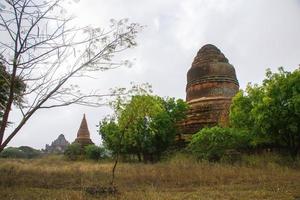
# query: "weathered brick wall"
211,84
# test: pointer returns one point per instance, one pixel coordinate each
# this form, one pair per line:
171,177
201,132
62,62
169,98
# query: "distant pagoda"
83,134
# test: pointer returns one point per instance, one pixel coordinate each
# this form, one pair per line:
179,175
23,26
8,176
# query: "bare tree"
41,46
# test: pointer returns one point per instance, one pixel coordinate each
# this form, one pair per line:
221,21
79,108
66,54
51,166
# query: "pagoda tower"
211,84
83,134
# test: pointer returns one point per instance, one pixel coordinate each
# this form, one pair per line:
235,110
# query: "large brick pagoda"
211,84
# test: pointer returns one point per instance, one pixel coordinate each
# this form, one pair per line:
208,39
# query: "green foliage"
20,152
271,111
30,152
213,143
138,121
94,152
73,151
110,134
76,152
12,152
4,89
241,115
146,126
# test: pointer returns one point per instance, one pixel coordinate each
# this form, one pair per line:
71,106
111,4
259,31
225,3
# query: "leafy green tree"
148,126
138,120
111,135
272,110
241,115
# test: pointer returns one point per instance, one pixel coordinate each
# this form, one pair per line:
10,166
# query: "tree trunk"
294,152
139,157
9,102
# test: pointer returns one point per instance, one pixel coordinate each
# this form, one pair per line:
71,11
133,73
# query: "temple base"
83,141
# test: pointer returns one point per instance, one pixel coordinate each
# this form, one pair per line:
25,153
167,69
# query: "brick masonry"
211,84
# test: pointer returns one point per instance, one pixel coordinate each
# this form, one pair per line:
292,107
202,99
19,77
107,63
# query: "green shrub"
12,152
214,143
94,152
73,151
30,152
20,152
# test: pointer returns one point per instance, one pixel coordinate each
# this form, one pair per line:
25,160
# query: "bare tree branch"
44,52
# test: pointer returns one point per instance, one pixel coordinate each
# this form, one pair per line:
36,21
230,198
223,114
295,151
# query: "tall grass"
181,177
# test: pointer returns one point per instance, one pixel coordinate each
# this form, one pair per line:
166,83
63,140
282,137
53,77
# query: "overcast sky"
253,35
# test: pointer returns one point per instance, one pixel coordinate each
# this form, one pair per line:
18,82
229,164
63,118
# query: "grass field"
178,178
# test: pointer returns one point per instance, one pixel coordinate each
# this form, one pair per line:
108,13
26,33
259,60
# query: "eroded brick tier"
211,84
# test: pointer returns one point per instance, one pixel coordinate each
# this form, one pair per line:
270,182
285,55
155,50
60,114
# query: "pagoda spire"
83,133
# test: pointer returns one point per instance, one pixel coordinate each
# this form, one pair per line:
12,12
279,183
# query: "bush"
94,152
214,143
12,152
20,152
30,152
73,151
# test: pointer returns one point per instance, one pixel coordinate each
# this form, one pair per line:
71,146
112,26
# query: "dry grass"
178,178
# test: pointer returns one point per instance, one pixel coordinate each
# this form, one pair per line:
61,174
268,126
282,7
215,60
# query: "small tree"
42,49
111,135
147,124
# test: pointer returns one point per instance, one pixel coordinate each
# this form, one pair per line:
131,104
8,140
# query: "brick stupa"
211,84
83,134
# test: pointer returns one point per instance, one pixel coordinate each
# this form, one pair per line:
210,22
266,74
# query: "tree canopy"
271,111
146,126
